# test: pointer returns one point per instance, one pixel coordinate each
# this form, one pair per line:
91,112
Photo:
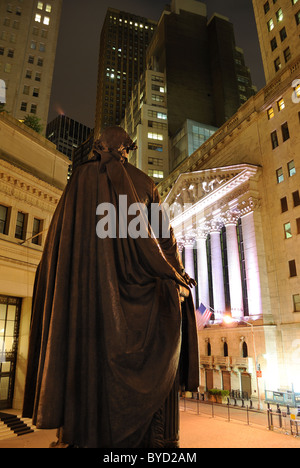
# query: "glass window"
40,5
266,7
155,136
270,24
284,205
270,113
3,219
37,228
296,198
46,20
292,268
38,18
296,302
277,64
285,131
279,175
155,174
274,43
20,226
291,168
287,54
48,8
274,139
288,230
283,34
298,225
281,105
279,15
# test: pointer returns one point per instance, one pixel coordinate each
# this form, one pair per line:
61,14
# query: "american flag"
203,315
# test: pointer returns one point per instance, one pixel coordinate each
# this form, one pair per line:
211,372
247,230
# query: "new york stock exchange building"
236,215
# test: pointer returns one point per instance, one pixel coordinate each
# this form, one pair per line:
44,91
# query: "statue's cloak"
106,332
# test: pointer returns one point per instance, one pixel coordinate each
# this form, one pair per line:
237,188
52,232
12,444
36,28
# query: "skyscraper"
122,58
206,76
28,38
278,32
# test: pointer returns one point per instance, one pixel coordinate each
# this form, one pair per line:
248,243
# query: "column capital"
249,205
231,217
216,226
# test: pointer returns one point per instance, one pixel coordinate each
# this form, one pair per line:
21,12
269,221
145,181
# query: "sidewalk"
197,431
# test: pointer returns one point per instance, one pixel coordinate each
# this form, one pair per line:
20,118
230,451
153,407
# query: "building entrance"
10,308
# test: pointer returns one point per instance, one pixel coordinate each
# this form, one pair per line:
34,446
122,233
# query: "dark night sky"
75,73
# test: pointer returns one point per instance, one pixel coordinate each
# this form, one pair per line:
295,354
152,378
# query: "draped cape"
106,330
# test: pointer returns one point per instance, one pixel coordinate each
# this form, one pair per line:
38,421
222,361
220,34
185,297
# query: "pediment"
192,187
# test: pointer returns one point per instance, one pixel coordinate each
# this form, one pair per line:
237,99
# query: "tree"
33,122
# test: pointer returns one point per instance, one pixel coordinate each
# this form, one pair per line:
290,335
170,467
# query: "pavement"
197,432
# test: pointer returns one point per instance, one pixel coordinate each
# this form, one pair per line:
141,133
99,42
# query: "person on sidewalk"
110,339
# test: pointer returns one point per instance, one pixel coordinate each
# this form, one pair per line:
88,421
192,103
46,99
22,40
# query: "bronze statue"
111,341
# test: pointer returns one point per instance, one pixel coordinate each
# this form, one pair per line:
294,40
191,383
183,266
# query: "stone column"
202,267
217,271
189,262
234,267
251,264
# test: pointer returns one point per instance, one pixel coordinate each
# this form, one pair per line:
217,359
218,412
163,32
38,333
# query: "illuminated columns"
203,283
234,268
217,271
189,262
251,264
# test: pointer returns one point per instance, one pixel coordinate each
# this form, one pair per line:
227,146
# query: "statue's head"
114,139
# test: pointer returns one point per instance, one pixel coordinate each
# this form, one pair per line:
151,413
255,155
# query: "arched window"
208,349
245,350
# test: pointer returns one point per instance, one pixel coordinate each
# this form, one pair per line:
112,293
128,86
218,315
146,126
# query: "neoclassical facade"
235,209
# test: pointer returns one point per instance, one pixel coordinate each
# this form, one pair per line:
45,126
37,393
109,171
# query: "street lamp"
227,319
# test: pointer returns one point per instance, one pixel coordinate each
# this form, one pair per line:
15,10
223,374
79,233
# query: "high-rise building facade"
278,26
206,77
67,134
146,121
122,58
28,39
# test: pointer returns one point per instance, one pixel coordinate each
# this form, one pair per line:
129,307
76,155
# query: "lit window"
40,5
288,231
270,24
277,64
281,104
48,8
162,116
46,20
155,174
279,175
279,15
155,136
38,18
270,113
291,168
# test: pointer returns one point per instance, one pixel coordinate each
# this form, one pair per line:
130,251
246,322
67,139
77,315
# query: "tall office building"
28,39
278,33
206,76
122,58
67,134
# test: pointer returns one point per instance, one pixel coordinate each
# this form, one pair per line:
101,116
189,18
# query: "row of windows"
21,225
285,135
267,5
25,106
288,234
156,174
280,173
